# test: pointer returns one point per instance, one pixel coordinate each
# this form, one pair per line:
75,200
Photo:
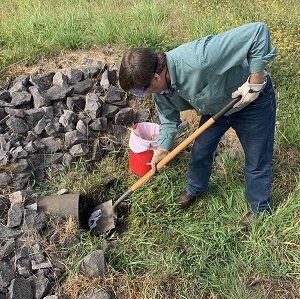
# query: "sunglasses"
142,91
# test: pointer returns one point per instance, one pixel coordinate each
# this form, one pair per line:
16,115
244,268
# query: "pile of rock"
55,118
34,249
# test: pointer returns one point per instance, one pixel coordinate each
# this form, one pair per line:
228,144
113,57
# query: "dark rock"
14,112
51,145
5,96
57,93
2,112
39,100
4,157
7,274
21,180
70,241
6,248
58,108
18,153
4,207
83,86
54,158
74,76
48,79
48,112
115,97
124,117
74,137
34,220
68,119
17,125
93,105
75,103
19,98
37,83
99,124
52,129
119,131
41,287
36,254
83,128
59,79
20,288
40,126
109,111
94,264
79,150
24,267
90,71
30,147
5,104
112,77
15,215
5,179
9,233
20,166
97,151
33,116
20,84
142,115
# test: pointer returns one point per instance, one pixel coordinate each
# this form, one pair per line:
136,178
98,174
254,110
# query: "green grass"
201,251
163,252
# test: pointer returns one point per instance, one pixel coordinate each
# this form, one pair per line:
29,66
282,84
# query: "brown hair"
138,67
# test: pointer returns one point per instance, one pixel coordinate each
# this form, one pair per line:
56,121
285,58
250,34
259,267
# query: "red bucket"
139,163
143,139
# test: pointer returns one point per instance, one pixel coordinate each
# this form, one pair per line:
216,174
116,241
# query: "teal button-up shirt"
205,72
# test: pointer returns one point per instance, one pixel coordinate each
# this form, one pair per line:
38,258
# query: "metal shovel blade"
102,218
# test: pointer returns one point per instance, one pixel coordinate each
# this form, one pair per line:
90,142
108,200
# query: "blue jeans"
254,126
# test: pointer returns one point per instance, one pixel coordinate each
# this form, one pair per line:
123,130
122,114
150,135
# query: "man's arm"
256,78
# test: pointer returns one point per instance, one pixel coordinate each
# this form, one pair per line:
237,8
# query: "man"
204,75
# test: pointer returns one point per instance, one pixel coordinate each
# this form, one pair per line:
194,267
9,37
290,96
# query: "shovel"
103,217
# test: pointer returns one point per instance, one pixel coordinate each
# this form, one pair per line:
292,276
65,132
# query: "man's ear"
157,77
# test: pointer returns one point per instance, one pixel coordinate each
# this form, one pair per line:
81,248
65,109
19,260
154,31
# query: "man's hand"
158,155
249,91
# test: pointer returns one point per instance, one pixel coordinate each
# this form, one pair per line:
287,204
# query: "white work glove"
249,93
158,155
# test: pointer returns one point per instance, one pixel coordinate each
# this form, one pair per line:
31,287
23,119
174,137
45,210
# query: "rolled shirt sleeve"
230,48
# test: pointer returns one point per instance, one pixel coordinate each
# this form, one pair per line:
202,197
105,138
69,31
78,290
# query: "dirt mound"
68,59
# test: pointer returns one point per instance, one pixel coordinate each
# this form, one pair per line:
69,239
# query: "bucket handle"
140,159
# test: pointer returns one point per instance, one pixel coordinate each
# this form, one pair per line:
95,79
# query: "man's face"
156,85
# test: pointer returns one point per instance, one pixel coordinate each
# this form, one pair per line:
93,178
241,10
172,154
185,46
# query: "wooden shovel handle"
185,143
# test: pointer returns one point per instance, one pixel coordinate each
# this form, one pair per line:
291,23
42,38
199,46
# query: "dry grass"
120,286
276,288
286,170
191,117
66,228
68,59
